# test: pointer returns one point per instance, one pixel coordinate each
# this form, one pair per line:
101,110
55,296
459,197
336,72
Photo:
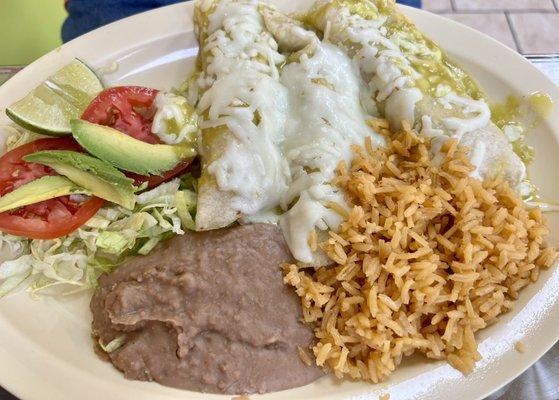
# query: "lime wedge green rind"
45,188
49,107
97,176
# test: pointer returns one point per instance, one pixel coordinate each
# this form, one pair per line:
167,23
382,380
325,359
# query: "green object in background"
29,29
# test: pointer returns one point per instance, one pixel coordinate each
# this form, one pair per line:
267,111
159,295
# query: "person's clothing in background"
412,3
86,15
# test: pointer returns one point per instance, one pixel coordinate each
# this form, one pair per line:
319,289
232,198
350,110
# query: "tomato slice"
126,108
130,110
47,219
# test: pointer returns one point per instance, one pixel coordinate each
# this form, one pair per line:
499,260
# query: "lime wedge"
49,108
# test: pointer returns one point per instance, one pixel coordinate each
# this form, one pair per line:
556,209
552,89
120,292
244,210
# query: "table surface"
549,64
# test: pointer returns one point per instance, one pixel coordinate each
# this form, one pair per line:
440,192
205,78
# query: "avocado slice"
100,178
45,188
127,153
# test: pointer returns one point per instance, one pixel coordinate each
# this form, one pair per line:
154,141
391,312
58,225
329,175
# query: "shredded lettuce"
113,242
17,136
74,263
14,272
185,201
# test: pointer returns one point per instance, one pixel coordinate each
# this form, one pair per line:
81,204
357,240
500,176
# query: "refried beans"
207,311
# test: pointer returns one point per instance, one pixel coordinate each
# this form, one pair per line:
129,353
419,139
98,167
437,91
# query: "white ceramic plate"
45,346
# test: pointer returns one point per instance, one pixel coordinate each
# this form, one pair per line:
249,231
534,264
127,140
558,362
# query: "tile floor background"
528,26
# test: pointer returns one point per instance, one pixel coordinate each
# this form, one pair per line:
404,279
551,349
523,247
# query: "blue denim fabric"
413,3
86,15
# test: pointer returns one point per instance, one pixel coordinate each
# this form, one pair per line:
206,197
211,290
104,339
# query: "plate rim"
51,60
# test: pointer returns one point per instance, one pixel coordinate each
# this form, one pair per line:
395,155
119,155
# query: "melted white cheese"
490,152
251,165
389,75
289,33
308,214
392,78
242,92
400,106
477,156
437,137
175,120
477,112
326,119
383,64
237,40
513,132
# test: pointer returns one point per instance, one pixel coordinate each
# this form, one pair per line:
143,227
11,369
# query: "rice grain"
425,257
